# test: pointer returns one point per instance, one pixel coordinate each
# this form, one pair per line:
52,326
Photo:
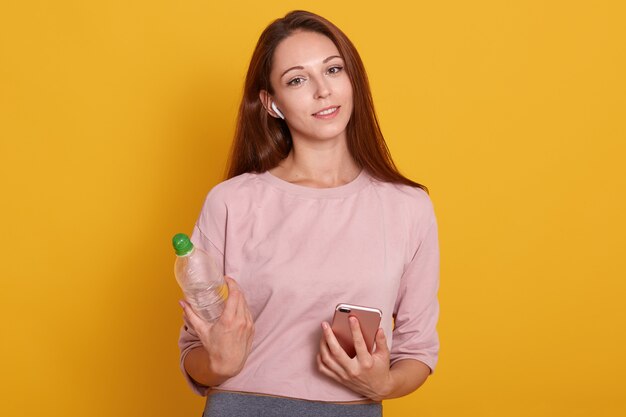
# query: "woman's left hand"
366,373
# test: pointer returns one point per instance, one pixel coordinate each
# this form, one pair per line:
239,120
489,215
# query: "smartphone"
369,320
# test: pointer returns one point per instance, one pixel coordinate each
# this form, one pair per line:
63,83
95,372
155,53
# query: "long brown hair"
262,141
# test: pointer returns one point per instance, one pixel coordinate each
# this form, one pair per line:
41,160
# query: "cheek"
349,102
347,91
296,102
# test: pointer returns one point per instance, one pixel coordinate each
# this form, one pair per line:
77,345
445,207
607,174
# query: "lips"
327,112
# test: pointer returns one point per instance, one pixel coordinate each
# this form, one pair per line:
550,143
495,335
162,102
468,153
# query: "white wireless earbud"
278,112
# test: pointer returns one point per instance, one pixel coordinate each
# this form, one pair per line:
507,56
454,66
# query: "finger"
381,343
331,341
230,307
248,316
244,321
246,307
243,317
192,318
240,312
231,283
357,336
324,369
339,355
250,339
329,361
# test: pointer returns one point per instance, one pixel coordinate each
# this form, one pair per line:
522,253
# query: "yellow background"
115,120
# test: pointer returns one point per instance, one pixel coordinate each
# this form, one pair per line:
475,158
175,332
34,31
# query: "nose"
322,88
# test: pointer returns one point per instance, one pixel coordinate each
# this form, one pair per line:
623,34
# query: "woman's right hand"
228,340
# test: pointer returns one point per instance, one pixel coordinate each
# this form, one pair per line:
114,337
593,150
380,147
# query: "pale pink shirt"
298,251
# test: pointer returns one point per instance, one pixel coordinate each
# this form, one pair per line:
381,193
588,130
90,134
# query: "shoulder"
228,195
233,188
411,201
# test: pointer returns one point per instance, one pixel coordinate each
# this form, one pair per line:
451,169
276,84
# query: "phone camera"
344,309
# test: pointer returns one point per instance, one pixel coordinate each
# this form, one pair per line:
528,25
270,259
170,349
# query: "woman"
314,214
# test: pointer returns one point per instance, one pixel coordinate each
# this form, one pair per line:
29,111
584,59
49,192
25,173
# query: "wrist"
199,367
386,389
404,377
219,370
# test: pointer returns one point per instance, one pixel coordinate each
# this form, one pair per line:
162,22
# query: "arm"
225,343
197,365
406,376
369,374
415,346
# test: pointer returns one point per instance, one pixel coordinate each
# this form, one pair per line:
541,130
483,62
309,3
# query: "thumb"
232,284
192,317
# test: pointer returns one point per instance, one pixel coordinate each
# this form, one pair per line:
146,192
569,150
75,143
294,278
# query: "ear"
266,100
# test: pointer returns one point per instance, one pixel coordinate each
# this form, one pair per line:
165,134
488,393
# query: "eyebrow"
300,67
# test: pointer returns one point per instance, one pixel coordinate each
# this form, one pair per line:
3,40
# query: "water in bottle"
199,278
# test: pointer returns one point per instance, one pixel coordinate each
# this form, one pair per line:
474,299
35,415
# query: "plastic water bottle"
200,279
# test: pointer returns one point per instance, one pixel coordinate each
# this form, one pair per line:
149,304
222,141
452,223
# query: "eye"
295,81
335,69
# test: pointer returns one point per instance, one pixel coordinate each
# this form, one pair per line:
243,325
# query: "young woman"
313,214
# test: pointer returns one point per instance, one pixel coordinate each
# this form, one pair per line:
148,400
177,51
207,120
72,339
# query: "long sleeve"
416,309
296,252
212,222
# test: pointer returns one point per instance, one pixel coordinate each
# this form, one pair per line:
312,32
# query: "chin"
330,134
325,133
333,130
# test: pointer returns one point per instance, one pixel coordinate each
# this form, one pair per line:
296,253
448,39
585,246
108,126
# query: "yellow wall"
115,120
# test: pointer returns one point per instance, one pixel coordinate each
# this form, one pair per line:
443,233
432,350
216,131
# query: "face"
311,87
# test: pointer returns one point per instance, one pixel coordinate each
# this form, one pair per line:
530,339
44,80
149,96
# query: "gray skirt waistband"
236,404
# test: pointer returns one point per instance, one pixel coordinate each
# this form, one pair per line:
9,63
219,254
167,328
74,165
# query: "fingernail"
324,325
181,303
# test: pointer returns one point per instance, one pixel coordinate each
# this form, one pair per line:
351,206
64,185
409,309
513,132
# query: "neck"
318,165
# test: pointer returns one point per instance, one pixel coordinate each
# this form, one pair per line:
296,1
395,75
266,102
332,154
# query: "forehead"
302,48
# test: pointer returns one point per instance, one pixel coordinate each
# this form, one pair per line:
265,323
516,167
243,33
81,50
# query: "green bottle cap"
182,244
